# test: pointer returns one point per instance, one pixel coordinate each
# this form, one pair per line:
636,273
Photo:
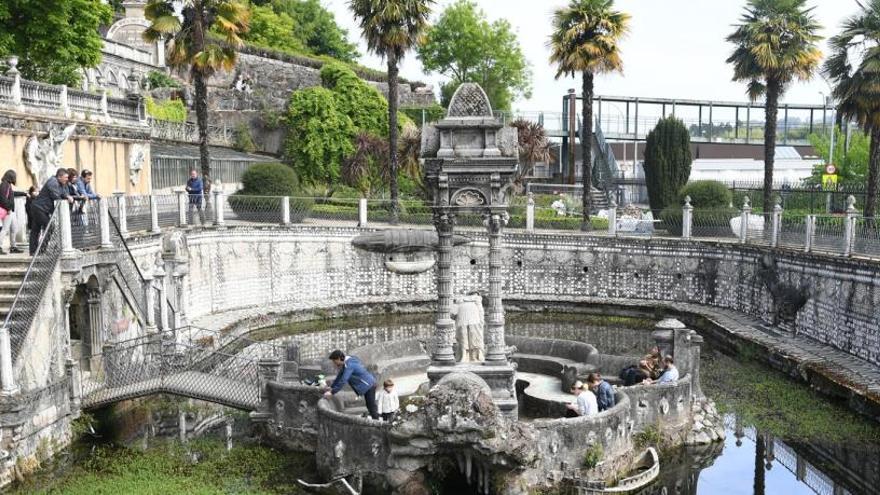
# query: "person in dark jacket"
54,189
603,390
353,372
32,194
195,188
7,202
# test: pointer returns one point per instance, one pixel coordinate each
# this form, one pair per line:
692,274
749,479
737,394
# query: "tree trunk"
587,149
760,450
201,104
771,109
392,136
873,173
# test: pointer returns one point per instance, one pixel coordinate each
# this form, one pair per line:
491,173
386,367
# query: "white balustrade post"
687,218
744,221
7,378
849,233
151,303
612,217
120,212
62,97
285,210
162,286
16,82
810,231
218,208
63,210
776,223
362,212
105,114
181,207
104,217
154,215
530,213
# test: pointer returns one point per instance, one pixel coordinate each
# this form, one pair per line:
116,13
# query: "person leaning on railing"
7,211
53,190
84,190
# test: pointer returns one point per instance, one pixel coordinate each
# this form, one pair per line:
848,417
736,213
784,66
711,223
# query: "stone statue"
469,324
136,163
43,156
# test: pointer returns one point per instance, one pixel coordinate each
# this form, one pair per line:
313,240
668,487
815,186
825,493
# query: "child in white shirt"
388,401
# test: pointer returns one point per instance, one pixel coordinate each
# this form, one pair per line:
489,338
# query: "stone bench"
566,359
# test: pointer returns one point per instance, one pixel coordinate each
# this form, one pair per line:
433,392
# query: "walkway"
193,384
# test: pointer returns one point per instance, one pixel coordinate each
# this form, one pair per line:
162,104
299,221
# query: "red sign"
830,169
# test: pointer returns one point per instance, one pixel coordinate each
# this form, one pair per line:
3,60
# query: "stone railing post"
154,215
849,233
810,231
444,324
161,286
612,217
105,114
362,212
268,372
104,218
14,73
63,210
687,218
664,335
285,210
7,378
150,303
219,199
62,98
496,349
744,221
181,207
776,223
695,342
530,213
121,213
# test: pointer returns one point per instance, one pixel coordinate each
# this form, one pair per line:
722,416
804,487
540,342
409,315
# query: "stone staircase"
12,270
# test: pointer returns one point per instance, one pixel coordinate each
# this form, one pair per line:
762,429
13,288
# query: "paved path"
194,384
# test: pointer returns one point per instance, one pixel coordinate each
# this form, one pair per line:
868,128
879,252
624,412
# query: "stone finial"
669,324
531,200
12,62
687,202
850,204
747,203
777,203
469,100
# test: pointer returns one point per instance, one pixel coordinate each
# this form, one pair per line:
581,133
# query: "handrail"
138,300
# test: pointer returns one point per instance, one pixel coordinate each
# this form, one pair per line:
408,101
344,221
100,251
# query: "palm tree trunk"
760,450
392,136
873,173
771,110
201,104
587,149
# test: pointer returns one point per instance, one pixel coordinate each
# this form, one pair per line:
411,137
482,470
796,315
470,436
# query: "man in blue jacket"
353,372
603,390
195,188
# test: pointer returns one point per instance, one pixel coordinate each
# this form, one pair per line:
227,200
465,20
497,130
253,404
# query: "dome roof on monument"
469,100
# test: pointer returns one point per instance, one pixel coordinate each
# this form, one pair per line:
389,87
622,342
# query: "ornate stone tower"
470,156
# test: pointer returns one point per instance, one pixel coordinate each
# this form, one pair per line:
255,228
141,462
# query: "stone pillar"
530,213
96,327
161,285
178,299
150,303
123,216
66,235
696,342
810,232
7,378
285,210
849,234
154,215
687,219
62,98
218,208
776,224
181,207
444,335
362,212
612,216
105,115
104,212
14,73
664,335
496,349
744,221
268,371
181,425
20,220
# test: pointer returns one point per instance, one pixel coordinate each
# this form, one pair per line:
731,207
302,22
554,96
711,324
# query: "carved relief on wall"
136,159
42,156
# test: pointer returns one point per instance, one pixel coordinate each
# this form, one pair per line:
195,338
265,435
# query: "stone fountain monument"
470,158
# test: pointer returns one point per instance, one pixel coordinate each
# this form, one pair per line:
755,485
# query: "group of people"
66,185
592,397
351,371
652,368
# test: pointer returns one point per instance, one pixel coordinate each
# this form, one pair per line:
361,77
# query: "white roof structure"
789,166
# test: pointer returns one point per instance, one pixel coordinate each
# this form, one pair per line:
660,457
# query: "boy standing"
388,401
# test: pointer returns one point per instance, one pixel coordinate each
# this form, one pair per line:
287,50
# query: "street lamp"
828,103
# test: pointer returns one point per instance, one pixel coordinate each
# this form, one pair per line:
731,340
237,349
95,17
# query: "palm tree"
585,40
854,69
392,28
191,44
775,45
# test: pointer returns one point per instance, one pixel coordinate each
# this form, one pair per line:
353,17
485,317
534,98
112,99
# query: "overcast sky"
675,49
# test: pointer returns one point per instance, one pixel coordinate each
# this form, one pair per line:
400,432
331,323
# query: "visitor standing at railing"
352,372
195,188
42,208
76,208
7,211
84,189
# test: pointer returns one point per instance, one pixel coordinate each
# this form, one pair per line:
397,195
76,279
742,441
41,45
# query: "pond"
782,438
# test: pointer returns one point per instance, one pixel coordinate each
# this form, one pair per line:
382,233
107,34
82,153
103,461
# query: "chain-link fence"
829,234
253,209
85,223
138,214
793,231
168,209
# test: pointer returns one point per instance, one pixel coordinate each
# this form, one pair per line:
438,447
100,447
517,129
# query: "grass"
203,467
771,401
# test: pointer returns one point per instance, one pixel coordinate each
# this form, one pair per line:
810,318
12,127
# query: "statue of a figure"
43,156
469,323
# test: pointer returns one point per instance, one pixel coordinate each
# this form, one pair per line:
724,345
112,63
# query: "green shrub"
156,79
244,141
167,110
432,114
667,162
271,180
593,456
319,136
649,437
362,102
705,194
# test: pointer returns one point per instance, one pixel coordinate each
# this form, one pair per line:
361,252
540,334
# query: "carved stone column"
96,326
496,349
444,333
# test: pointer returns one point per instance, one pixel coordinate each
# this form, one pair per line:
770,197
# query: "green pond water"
782,438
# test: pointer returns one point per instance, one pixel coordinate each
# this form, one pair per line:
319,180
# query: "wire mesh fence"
168,209
866,238
759,229
24,308
137,213
793,231
253,209
714,224
85,223
130,274
830,233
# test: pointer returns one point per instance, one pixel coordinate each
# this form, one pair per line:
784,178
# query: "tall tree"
464,46
854,69
392,28
54,39
189,45
667,162
585,39
775,44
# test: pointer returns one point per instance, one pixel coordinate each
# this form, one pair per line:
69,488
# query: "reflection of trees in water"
680,471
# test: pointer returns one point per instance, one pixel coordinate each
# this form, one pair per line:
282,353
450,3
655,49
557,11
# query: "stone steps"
13,268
